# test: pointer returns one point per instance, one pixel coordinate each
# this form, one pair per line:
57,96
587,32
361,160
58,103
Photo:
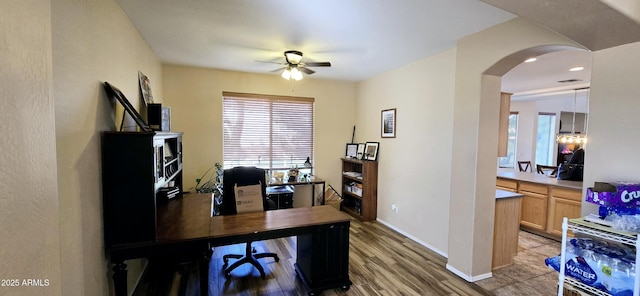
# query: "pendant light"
574,137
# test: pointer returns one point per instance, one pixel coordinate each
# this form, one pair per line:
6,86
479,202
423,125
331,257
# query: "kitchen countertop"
507,194
537,178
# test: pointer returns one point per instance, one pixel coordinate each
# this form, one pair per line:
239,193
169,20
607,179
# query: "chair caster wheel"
276,258
345,288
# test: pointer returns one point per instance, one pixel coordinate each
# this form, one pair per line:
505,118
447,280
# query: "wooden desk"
186,227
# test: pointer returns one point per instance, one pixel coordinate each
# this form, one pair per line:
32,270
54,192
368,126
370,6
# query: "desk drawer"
535,188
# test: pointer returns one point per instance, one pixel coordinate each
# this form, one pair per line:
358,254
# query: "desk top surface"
275,220
189,218
184,218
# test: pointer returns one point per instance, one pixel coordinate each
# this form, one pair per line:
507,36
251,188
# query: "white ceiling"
361,38
542,77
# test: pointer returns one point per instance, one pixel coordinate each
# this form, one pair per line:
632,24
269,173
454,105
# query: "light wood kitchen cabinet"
507,185
546,200
505,228
534,205
563,203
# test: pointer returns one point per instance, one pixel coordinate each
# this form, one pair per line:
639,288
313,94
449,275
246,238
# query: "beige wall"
414,168
54,57
630,8
93,41
195,98
30,247
473,169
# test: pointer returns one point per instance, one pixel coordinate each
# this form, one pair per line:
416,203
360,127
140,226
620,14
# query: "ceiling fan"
294,66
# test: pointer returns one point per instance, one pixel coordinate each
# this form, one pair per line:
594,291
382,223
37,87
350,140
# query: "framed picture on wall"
388,122
371,151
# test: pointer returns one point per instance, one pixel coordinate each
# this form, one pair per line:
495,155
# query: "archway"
482,59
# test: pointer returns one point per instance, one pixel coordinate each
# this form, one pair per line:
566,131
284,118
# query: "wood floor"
381,262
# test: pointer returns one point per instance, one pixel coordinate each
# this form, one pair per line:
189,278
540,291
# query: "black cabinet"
322,260
282,196
139,170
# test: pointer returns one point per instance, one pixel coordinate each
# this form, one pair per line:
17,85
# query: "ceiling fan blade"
306,70
318,64
271,62
279,69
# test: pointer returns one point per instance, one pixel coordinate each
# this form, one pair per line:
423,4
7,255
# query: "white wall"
30,247
414,168
195,98
614,136
93,41
526,137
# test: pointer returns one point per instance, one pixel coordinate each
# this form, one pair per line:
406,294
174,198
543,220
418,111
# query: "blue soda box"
615,194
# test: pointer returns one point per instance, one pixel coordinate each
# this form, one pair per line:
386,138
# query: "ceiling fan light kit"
295,66
292,72
293,56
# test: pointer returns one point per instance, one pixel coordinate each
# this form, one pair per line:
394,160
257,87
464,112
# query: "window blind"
266,131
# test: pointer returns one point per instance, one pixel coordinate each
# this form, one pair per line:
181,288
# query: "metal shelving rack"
580,225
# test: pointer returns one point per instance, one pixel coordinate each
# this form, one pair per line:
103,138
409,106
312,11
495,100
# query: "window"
545,139
266,131
509,161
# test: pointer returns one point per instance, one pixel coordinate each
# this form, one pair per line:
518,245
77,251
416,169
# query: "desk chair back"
241,176
525,166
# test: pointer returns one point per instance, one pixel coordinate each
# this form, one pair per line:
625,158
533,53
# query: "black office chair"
243,176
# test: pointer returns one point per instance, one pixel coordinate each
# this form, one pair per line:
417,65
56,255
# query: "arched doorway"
482,59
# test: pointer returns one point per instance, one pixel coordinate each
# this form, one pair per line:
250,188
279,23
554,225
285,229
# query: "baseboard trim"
467,277
413,238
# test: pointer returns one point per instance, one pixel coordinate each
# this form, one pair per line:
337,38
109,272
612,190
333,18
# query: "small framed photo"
352,151
388,123
371,151
360,150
